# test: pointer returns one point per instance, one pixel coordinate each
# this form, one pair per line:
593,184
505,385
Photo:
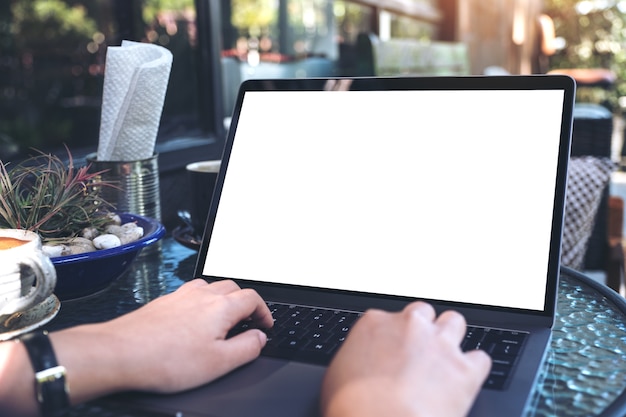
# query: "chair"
592,136
615,267
591,146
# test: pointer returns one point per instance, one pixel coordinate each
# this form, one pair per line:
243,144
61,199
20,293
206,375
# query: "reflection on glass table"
584,373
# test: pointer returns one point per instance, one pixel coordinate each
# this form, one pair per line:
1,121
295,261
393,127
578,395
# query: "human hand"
404,364
175,342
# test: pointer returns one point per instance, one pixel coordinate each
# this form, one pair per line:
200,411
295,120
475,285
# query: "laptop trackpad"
266,386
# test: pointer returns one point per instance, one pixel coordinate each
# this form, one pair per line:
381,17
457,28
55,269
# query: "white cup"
27,276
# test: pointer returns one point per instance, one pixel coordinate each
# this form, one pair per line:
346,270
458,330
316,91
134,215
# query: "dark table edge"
618,407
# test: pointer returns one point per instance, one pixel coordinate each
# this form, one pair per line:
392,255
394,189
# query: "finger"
246,304
242,348
480,361
224,286
218,287
452,324
421,308
194,283
261,314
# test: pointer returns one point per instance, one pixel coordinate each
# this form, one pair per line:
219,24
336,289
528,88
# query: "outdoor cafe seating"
594,217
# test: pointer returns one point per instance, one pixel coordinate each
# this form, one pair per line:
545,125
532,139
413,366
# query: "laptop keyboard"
307,334
313,335
502,345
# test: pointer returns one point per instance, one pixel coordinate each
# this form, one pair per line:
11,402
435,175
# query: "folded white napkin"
135,82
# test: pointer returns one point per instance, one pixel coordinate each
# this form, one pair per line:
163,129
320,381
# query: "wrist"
93,362
51,388
362,399
18,397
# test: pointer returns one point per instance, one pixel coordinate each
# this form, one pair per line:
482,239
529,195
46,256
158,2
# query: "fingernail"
262,337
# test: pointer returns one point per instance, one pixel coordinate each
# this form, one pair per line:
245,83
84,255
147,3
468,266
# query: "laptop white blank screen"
444,195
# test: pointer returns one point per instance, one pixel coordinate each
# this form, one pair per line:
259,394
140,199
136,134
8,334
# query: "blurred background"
52,56
52,52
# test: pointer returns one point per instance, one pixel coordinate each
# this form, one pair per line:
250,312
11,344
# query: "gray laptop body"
372,192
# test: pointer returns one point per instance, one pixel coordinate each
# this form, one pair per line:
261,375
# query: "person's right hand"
404,364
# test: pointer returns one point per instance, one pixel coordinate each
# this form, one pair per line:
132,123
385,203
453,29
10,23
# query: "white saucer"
25,321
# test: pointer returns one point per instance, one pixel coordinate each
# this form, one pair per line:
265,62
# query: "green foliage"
38,21
46,62
254,14
595,36
44,195
151,8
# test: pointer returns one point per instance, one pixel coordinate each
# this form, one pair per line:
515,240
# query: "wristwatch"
50,383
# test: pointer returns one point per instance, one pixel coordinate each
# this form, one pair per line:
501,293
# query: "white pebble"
89,233
82,241
129,226
76,249
80,245
107,241
114,229
52,251
131,235
114,218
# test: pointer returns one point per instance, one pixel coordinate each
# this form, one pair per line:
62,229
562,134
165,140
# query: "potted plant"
45,195
61,203
89,243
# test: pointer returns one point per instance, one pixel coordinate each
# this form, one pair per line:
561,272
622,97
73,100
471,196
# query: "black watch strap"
50,382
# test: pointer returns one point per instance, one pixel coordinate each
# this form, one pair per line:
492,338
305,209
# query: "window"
309,38
52,56
52,68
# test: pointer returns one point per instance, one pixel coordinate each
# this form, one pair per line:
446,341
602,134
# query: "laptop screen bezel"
535,82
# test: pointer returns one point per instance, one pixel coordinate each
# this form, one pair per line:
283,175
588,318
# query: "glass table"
584,372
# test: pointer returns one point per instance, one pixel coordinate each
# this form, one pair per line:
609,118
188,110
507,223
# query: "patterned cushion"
587,178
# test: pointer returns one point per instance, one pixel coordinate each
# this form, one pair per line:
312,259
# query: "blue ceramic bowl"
87,273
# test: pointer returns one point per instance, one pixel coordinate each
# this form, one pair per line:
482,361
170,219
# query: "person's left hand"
407,363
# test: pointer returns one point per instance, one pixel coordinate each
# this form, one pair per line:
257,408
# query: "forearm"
133,352
94,360
17,389
93,369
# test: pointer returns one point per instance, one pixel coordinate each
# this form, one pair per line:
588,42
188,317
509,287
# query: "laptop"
346,194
